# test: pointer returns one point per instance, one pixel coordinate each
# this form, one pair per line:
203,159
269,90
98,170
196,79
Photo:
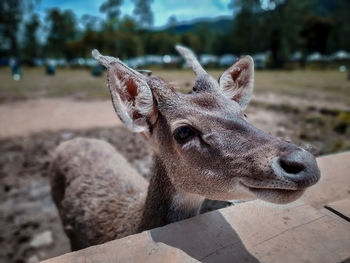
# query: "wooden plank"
340,208
334,184
249,232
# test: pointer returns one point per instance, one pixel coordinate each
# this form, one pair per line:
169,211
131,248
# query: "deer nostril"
299,166
291,167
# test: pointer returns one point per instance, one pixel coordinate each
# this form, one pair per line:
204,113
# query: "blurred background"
52,90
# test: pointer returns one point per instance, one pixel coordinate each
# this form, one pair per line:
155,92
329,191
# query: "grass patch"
315,85
66,83
326,128
330,132
284,108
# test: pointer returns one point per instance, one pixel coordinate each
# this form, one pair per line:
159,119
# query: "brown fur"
97,192
100,197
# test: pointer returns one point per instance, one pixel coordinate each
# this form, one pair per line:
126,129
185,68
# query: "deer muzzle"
299,167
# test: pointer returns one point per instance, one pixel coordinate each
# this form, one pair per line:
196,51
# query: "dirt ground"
26,207
54,114
32,116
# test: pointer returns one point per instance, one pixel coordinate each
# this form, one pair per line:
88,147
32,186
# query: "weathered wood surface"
334,184
341,208
249,232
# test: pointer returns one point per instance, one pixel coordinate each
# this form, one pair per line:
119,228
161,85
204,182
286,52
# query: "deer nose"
299,167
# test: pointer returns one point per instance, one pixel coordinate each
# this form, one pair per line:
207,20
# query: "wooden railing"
315,228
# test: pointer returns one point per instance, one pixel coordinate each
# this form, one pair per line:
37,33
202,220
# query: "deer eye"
183,134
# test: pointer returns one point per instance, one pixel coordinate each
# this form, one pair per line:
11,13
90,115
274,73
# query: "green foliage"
330,128
62,29
31,45
339,37
10,16
191,40
111,8
90,22
315,32
143,13
287,26
160,42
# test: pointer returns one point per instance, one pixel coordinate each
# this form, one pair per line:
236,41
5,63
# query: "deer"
203,147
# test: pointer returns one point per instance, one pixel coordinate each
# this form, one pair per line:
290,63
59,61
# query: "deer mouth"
274,194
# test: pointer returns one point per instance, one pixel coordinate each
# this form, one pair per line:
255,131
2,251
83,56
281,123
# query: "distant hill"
219,25
223,24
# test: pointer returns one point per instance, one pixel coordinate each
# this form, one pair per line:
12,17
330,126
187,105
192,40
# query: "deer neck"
164,203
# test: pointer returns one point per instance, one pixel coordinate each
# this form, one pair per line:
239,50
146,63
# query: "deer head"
203,139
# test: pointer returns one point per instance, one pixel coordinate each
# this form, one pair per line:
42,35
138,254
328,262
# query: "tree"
10,17
244,5
128,40
111,8
315,32
287,23
243,38
160,43
90,22
276,27
62,28
91,38
340,36
31,46
172,22
191,40
143,12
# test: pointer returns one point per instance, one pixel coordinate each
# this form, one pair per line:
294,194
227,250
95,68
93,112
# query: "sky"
184,10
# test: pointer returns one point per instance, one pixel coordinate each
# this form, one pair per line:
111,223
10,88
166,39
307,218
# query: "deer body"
97,193
204,147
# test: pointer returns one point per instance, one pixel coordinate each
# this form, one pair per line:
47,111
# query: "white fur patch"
186,203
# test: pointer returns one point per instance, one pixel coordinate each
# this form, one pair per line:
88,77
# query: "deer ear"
237,82
131,96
